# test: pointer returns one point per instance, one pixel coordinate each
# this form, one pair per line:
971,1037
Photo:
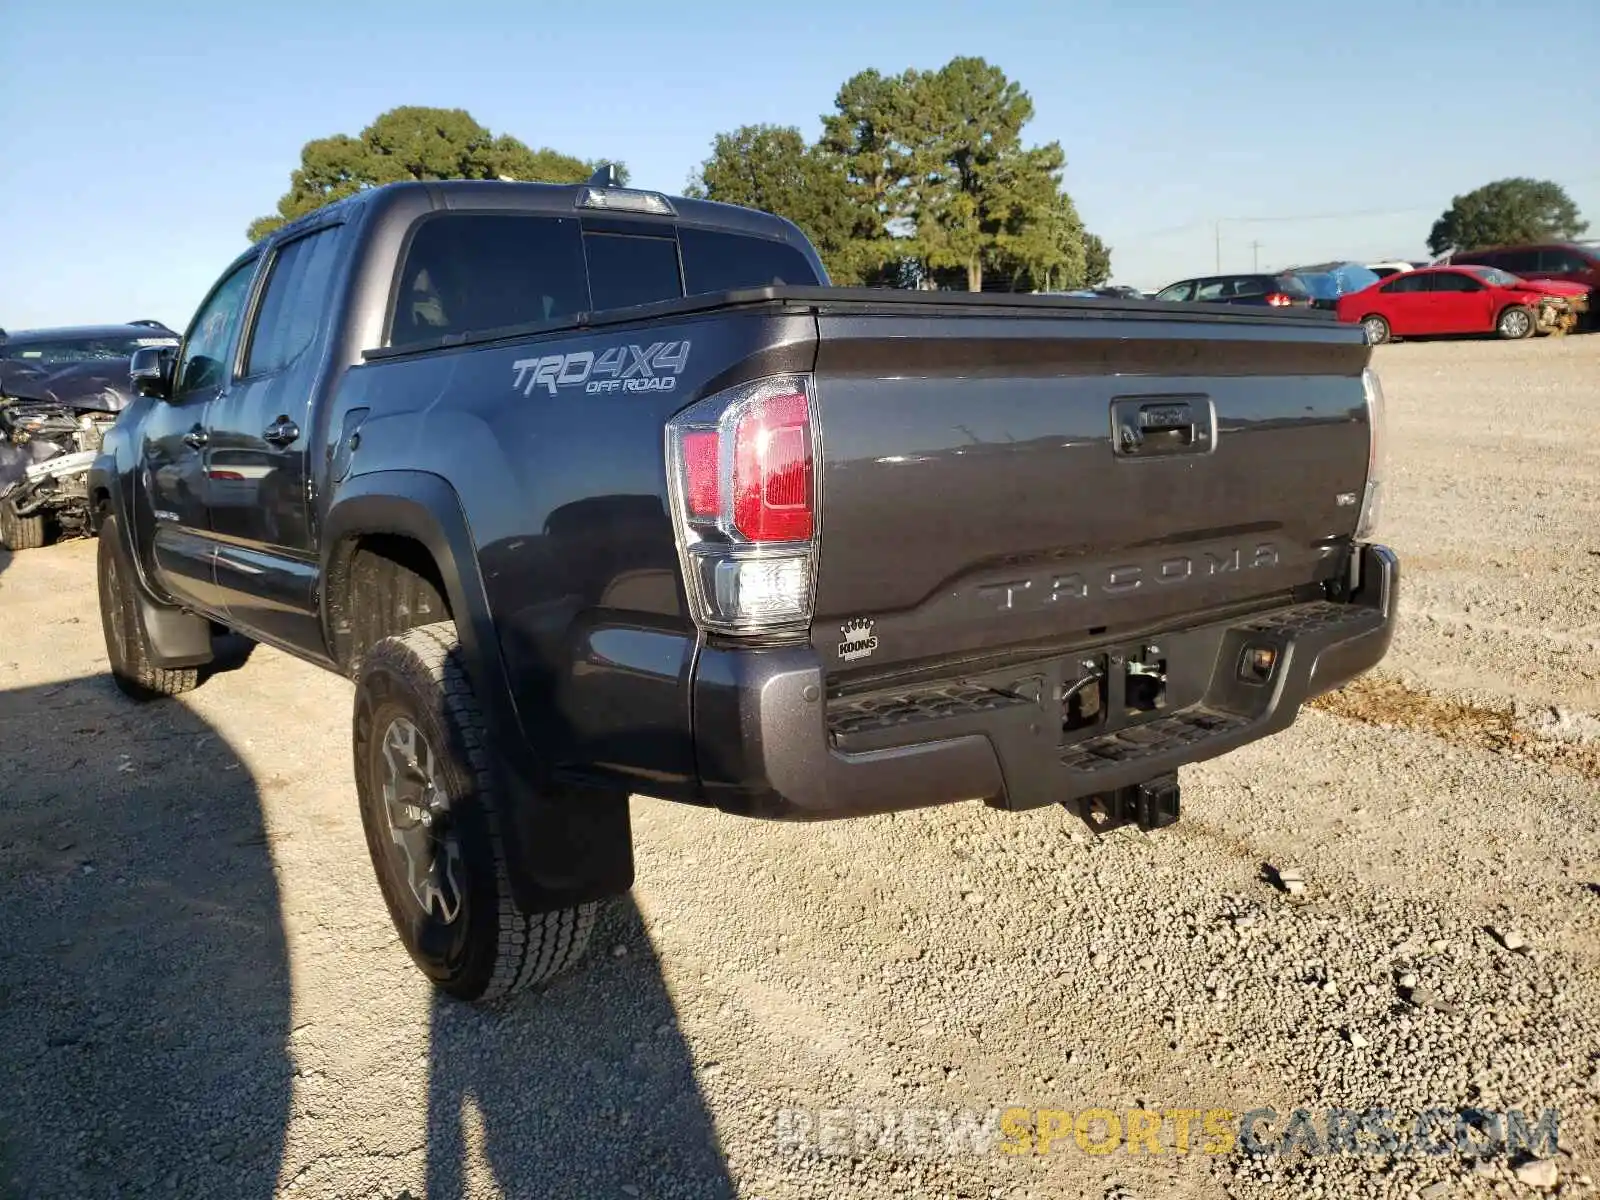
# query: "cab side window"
1456,281
294,303
468,272
205,358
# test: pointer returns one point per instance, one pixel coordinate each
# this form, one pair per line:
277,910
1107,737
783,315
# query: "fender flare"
564,846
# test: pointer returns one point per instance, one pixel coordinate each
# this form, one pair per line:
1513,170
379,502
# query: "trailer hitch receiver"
1152,804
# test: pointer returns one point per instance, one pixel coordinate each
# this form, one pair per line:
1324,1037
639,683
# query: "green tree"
1507,211
920,177
976,193
1048,256
412,142
771,168
867,140
1096,261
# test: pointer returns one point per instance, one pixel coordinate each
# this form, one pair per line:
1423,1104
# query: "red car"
1436,300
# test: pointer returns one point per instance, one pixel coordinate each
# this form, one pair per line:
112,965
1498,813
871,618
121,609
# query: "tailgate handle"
1148,427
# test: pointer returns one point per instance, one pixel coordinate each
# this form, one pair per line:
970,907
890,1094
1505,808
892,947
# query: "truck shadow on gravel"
144,977
587,1088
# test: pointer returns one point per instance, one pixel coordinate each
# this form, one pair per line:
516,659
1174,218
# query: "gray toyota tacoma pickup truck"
593,492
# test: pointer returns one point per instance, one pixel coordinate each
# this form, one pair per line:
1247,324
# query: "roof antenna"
605,176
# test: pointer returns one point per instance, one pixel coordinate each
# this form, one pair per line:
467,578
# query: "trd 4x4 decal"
652,368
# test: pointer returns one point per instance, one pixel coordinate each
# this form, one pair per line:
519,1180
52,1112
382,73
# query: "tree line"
921,179
918,179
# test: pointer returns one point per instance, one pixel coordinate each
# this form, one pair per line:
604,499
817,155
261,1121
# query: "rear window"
478,271
725,262
1290,286
625,270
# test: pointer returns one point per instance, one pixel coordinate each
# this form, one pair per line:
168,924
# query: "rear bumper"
770,744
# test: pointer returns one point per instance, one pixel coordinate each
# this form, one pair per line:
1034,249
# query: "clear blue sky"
139,140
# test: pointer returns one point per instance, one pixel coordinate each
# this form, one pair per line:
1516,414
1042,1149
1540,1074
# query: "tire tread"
532,948
18,532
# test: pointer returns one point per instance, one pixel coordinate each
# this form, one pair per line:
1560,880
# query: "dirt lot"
200,993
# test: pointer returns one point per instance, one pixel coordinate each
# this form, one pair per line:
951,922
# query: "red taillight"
701,480
744,498
1279,300
772,471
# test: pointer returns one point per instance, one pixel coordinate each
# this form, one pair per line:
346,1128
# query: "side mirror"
151,371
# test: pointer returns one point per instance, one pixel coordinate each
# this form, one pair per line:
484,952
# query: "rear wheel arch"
379,584
400,525
560,851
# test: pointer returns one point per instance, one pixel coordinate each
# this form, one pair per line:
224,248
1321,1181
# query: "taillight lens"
742,468
701,474
1279,300
772,480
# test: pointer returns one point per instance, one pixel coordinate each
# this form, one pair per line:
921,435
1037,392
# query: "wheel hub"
418,816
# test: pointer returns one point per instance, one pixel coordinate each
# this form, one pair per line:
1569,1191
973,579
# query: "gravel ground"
201,994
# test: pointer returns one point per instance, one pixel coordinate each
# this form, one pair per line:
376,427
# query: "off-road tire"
127,645
1373,323
1520,329
497,950
18,532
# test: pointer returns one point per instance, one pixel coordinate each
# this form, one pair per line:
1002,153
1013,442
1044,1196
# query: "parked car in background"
1443,300
68,344
1328,281
1269,289
60,391
1573,262
1114,291
1569,262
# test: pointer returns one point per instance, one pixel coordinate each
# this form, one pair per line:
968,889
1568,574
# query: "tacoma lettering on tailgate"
1128,578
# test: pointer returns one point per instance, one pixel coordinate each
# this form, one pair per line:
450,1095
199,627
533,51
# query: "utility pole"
1255,256
1219,245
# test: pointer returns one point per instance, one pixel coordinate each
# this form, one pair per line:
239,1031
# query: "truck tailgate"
994,481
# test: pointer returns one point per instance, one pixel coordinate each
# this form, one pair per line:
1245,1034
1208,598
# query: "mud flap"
176,638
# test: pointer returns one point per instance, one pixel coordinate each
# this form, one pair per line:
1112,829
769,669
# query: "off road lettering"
652,368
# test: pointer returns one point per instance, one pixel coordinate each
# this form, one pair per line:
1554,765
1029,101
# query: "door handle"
282,432
196,437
